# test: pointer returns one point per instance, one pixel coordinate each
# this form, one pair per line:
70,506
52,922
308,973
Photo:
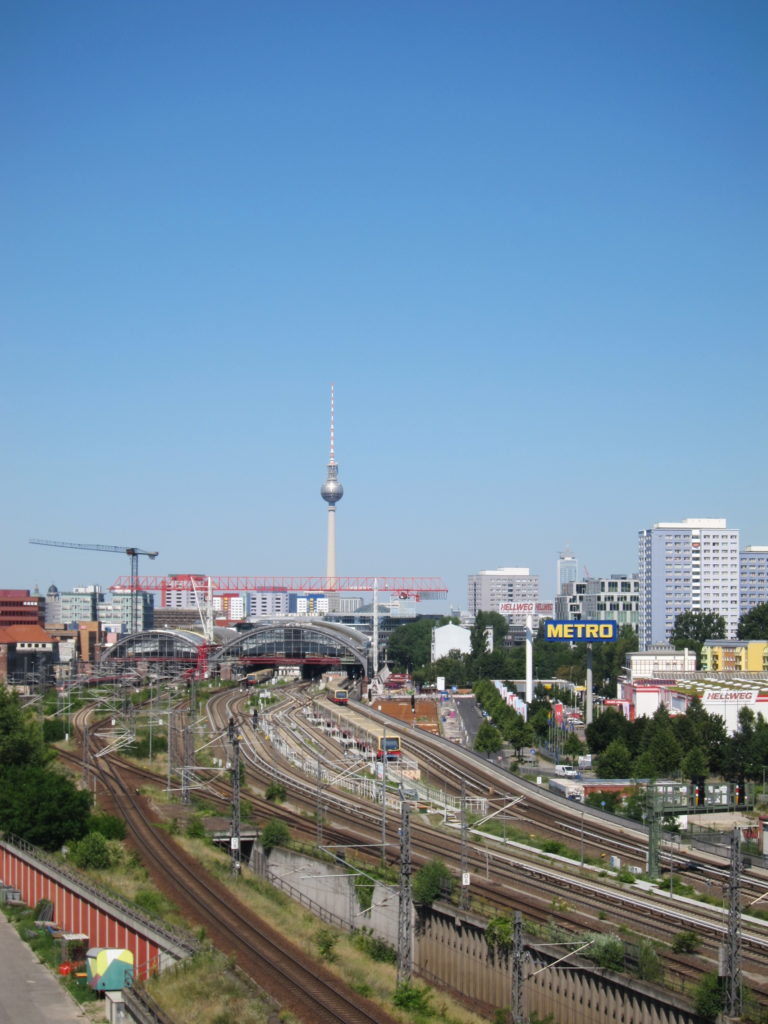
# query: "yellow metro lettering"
591,630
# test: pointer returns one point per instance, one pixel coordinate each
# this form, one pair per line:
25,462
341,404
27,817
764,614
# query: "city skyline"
527,244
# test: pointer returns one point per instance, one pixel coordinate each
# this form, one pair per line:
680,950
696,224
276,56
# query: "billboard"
581,631
526,608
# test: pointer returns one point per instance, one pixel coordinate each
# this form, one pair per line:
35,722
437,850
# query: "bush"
685,942
607,951
500,935
91,851
413,999
377,949
196,828
430,882
275,833
708,998
275,792
107,825
54,729
649,965
326,940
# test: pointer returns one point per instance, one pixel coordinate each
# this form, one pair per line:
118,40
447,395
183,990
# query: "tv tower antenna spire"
332,491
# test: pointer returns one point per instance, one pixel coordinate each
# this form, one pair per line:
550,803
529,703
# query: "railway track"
294,980
543,890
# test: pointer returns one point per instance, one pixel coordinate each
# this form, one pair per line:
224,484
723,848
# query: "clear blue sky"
527,241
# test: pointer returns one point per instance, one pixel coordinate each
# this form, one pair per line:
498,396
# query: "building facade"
735,656
753,577
20,608
115,613
688,566
614,598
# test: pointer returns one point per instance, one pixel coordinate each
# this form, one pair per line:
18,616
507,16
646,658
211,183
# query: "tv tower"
332,491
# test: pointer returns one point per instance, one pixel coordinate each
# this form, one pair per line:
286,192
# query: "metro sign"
581,631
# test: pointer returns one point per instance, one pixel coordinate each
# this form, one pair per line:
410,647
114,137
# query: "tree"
694,764
693,628
488,739
614,762
430,882
753,625
42,806
572,746
410,646
21,737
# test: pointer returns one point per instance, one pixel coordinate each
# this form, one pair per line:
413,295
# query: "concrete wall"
449,950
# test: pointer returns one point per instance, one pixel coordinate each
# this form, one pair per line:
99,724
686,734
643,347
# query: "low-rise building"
735,656
27,654
660,661
450,638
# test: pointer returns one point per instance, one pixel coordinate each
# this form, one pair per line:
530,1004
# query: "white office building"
688,566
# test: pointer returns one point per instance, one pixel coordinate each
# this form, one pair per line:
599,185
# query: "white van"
568,770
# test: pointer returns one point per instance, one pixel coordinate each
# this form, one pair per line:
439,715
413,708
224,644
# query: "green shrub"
708,998
685,942
500,935
275,833
607,951
649,965
107,825
91,851
196,828
54,730
326,940
413,999
374,947
275,792
430,882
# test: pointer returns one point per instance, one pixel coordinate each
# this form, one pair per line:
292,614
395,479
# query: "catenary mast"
332,491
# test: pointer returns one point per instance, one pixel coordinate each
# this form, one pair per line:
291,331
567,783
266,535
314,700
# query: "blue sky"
527,241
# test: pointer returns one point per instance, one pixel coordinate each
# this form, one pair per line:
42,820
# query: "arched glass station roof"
288,641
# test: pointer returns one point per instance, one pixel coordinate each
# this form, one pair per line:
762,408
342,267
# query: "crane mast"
133,553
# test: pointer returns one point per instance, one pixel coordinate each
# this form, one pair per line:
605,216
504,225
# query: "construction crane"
133,554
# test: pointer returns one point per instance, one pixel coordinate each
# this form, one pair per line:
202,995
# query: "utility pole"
405,931
464,892
732,952
235,838
654,828
518,953
384,798
185,768
319,804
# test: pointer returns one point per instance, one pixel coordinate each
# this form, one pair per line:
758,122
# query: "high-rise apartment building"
753,578
688,566
488,589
